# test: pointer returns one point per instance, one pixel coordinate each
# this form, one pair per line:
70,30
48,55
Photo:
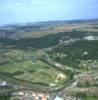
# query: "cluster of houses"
89,64
87,78
29,95
8,34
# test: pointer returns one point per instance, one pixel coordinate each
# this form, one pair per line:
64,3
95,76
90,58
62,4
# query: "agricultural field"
18,65
49,57
50,30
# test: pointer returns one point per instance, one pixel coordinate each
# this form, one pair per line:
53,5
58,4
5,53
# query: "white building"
58,98
3,83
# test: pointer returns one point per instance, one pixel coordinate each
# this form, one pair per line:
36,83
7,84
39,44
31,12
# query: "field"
59,29
20,59
28,69
92,98
49,57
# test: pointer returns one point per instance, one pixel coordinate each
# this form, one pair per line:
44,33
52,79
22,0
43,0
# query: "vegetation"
42,59
75,53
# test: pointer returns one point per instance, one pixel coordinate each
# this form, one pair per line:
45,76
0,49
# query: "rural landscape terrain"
49,60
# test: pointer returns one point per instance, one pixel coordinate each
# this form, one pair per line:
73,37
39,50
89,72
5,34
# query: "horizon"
24,11
48,21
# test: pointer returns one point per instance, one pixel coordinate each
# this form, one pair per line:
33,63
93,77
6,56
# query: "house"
58,98
3,83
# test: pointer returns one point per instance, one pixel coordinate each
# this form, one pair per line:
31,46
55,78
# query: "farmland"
48,58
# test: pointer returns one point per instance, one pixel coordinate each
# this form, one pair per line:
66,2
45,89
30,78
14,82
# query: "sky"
21,11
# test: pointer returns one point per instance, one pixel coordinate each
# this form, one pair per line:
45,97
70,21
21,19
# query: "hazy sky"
15,11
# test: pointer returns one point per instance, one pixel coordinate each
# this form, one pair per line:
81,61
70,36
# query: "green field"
92,98
28,69
48,60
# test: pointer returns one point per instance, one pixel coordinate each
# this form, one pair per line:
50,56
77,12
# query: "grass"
92,98
27,70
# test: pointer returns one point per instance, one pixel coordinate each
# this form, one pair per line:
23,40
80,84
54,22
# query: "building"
58,98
